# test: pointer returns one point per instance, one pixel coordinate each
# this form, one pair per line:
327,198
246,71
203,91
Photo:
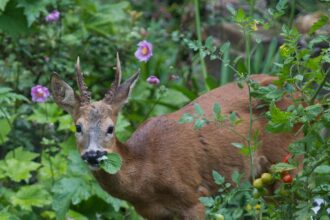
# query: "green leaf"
20,170
225,47
322,169
186,118
323,20
280,121
199,123
4,130
112,164
216,108
12,20
207,201
32,9
218,179
313,111
69,190
31,195
236,177
281,167
198,109
3,4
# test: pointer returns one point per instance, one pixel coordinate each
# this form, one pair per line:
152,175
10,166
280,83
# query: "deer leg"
195,212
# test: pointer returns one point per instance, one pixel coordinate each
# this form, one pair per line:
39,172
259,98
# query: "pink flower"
144,51
153,80
39,93
53,16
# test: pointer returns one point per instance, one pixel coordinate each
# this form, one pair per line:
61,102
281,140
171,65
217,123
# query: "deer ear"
123,92
63,94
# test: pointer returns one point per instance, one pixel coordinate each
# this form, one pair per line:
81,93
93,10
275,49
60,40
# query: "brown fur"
167,166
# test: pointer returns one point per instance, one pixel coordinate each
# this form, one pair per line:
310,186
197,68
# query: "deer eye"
78,128
110,129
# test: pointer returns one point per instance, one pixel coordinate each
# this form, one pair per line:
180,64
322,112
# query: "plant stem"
199,37
248,64
320,87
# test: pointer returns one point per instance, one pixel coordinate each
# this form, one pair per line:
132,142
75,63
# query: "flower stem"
199,37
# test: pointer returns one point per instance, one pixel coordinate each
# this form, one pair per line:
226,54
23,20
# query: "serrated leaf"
31,195
218,179
198,109
20,170
112,164
32,9
281,167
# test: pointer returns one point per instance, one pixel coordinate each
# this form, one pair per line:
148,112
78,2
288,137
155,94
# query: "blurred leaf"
322,169
323,20
32,9
207,201
186,118
12,20
31,195
237,145
280,121
3,4
199,123
282,167
4,130
198,109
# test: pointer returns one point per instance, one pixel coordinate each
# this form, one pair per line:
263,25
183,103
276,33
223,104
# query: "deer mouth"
93,158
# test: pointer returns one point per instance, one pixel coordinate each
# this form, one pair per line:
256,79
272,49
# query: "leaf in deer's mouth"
111,163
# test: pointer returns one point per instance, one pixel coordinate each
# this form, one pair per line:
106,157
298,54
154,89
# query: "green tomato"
256,194
219,217
267,178
257,183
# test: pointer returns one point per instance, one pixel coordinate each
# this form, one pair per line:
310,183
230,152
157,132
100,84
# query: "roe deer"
167,166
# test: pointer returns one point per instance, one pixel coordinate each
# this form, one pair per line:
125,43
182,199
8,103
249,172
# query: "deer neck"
121,184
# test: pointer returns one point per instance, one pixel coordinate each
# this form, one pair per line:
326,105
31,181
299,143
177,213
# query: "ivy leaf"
281,167
31,195
112,164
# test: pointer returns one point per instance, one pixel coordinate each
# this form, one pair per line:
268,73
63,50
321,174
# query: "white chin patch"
94,168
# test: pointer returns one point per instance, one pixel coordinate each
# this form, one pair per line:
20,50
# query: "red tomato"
287,178
286,158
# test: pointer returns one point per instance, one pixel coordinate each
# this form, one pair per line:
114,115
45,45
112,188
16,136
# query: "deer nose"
92,157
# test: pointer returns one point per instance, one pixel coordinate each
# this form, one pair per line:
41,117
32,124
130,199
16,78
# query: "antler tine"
85,94
109,96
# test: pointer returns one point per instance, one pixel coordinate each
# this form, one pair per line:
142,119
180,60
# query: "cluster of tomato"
259,183
286,177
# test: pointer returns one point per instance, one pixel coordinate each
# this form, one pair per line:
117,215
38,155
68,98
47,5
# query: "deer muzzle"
93,157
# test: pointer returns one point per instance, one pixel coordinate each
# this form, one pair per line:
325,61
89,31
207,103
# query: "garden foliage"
41,173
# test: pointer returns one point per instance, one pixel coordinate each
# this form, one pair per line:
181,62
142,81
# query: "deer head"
95,121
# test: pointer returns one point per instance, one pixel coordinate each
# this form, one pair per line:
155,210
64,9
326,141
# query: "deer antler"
109,96
85,94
